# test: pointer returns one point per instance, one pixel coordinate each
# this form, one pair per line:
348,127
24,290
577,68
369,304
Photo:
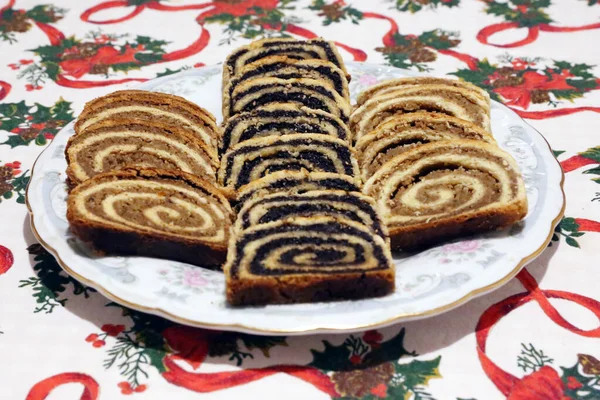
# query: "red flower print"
198,65
25,62
39,126
522,8
6,259
373,338
125,387
542,384
91,337
13,66
380,391
49,135
521,95
15,130
113,330
573,383
98,343
106,55
355,359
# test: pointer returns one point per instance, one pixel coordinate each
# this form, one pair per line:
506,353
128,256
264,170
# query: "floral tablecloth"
535,338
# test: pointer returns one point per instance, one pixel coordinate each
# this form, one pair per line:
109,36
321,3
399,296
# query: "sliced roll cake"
307,260
255,158
311,93
117,143
446,189
450,100
289,68
295,182
402,132
280,119
153,213
292,48
390,85
161,107
354,206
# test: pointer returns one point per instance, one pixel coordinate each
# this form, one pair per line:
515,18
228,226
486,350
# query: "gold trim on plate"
249,329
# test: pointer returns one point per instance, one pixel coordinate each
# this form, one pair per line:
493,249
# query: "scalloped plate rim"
35,208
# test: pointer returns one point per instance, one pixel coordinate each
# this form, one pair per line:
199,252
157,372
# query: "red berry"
91,337
140,388
98,343
49,135
25,62
355,359
29,117
29,87
113,330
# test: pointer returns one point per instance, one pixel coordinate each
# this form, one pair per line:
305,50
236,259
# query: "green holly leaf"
568,224
392,349
332,358
262,343
592,154
125,66
557,152
594,171
156,358
40,140
571,242
419,373
62,110
168,71
16,140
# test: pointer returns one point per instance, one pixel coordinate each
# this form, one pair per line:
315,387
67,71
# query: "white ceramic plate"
427,283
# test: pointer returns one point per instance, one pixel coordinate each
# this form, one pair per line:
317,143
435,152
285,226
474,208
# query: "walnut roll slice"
154,213
447,189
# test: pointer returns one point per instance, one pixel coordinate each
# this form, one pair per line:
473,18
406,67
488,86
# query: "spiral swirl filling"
92,154
443,185
157,206
353,206
268,122
321,248
252,160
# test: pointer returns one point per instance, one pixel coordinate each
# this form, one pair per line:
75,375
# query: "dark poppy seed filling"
285,70
282,97
279,120
258,157
307,260
310,49
295,183
351,205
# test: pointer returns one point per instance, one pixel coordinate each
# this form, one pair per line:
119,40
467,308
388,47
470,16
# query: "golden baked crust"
317,48
120,234
141,104
445,189
405,131
384,87
284,67
450,100
179,148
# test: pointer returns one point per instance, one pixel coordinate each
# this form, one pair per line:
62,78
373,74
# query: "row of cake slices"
142,176
428,158
304,231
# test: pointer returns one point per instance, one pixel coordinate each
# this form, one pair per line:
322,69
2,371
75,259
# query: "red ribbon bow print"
191,347
545,383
